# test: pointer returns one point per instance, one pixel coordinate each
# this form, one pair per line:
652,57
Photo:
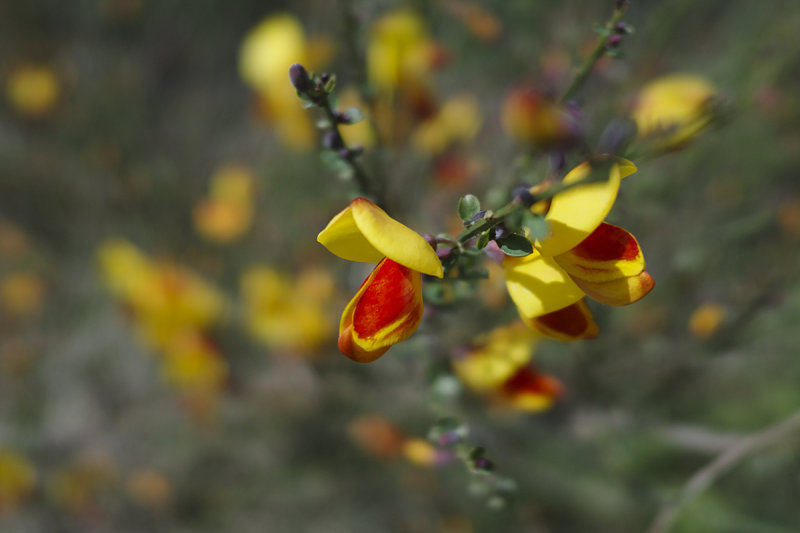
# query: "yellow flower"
164,298
21,294
581,256
531,118
284,314
265,56
707,319
459,120
17,480
399,50
33,90
497,366
671,110
227,212
387,308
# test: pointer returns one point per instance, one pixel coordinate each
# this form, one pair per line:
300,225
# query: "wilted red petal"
386,309
571,323
621,291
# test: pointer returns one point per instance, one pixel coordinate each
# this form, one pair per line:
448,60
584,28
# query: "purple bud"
430,239
522,195
621,28
483,463
298,75
613,41
332,140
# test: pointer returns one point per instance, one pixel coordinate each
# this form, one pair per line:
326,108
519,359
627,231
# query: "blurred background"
168,322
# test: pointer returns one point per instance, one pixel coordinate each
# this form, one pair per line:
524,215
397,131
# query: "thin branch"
599,50
724,462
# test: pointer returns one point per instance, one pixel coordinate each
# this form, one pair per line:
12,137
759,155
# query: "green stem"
599,50
365,186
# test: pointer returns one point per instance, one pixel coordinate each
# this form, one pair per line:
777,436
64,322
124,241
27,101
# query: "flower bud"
299,77
332,140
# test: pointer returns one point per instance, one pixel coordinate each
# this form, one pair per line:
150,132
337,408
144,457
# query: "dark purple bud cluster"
300,78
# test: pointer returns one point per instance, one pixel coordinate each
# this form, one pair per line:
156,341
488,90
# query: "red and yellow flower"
582,256
387,308
498,366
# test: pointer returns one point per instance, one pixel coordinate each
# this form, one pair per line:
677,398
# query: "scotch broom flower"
671,110
387,309
582,256
498,367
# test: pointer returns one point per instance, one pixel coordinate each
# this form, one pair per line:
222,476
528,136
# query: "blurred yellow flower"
21,294
707,319
361,133
227,212
17,480
164,298
285,314
458,121
496,356
265,56
399,50
33,90
149,488
671,110
532,118
78,487
193,364
421,452
498,367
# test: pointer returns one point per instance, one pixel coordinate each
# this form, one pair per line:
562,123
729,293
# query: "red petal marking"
530,381
389,297
573,322
608,243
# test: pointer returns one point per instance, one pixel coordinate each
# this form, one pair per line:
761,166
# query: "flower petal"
537,285
531,390
364,232
342,237
574,322
609,253
622,291
495,357
575,213
386,309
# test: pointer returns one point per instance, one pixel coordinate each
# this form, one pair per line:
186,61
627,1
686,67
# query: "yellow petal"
496,357
537,285
577,212
622,291
609,253
364,232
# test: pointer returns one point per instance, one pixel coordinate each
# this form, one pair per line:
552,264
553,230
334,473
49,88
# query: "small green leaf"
483,240
537,226
330,85
515,245
468,207
323,124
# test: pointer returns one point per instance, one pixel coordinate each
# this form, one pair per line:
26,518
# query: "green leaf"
323,124
483,240
330,85
537,226
515,245
468,207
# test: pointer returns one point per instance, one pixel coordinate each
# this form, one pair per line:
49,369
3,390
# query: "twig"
599,50
725,461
